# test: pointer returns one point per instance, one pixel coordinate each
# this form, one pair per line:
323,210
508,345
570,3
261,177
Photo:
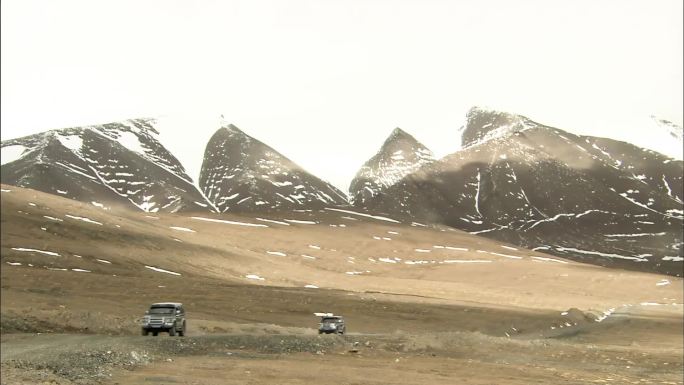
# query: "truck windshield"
331,320
161,310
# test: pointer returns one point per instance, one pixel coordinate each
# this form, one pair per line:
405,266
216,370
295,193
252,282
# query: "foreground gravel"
82,359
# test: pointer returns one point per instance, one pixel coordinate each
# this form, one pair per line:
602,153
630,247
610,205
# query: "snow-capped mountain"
669,135
240,173
483,125
587,198
672,129
400,155
115,163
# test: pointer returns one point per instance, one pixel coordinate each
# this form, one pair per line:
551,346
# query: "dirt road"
593,354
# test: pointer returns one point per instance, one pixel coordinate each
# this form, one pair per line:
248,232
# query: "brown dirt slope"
446,304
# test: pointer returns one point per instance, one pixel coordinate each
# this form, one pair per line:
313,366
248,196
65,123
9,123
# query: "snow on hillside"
11,153
649,132
116,162
588,198
662,136
241,173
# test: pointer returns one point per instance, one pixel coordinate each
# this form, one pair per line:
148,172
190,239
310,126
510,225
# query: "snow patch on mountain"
10,154
72,142
663,136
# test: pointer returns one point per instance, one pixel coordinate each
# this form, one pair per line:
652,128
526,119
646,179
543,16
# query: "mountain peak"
400,136
398,131
672,129
400,155
483,124
241,173
230,127
232,133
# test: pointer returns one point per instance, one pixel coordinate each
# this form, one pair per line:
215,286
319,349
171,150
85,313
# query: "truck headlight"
146,320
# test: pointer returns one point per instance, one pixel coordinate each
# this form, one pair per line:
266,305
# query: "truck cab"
332,324
164,317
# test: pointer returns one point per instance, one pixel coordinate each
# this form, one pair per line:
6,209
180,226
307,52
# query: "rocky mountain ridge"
587,198
591,199
400,155
240,173
116,163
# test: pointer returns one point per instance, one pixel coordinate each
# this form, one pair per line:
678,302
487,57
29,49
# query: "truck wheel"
172,331
181,332
145,332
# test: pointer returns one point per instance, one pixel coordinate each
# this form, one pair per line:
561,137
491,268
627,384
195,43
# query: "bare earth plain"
423,304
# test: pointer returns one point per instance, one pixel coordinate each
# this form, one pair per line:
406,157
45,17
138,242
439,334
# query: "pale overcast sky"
324,82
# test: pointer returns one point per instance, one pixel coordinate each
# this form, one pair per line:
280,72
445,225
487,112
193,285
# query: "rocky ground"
395,358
